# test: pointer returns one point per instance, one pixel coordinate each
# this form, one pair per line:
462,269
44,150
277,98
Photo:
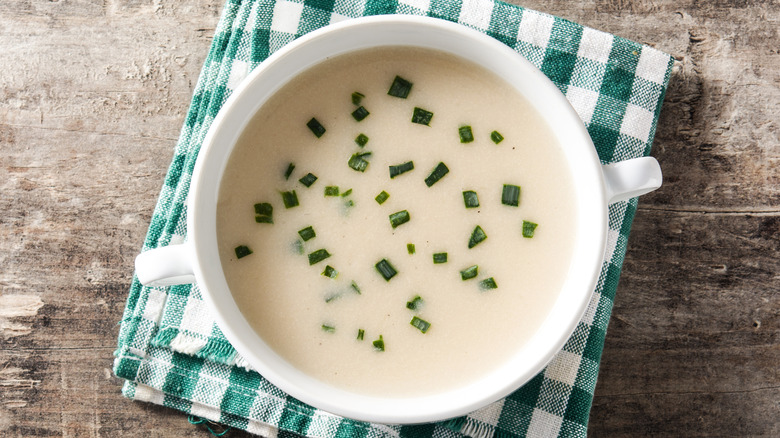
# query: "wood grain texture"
94,92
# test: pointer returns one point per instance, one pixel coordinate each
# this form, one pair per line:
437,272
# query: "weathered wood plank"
694,340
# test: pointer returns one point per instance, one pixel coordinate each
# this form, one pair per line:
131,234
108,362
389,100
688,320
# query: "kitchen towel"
170,351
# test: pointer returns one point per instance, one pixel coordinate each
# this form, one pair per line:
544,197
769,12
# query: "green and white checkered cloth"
171,352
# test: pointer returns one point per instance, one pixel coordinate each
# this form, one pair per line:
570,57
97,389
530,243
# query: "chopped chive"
357,162
477,236
410,248
307,233
487,284
439,258
318,256
415,303
297,246
328,328
510,195
242,251
355,287
470,199
379,344
308,179
399,218
331,297
422,117
316,127
357,98
289,171
469,273
496,137
401,168
360,334
349,203
400,88
290,199
529,228
347,193
382,197
386,269
466,135
330,272
264,213
420,324
360,113
361,140
331,190
437,174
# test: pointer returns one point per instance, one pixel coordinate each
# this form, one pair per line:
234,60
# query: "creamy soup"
340,300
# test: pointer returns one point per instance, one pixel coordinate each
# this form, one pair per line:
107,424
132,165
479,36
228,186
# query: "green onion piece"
242,251
477,236
349,203
328,328
308,179
529,228
289,171
318,256
356,288
297,246
382,197
307,233
290,199
331,297
487,284
357,162
386,269
422,117
399,218
496,137
347,193
331,190
400,88
361,140
439,258
420,324
437,174
510,195
466,135
360,113
316,127
360,334
401,168
357,98
469,273
330,272
415,303
470,199
410,248
379,344
264,213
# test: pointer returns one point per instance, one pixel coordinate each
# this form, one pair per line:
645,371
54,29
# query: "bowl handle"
165,266
627,179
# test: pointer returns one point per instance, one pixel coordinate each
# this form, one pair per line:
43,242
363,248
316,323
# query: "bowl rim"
265,80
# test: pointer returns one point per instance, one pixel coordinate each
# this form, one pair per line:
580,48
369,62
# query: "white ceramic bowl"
596,186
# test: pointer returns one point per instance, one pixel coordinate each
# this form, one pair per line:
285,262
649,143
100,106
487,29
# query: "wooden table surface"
92,96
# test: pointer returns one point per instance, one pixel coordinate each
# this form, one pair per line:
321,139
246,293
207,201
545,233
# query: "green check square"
578,406
296,416
617,84
504,23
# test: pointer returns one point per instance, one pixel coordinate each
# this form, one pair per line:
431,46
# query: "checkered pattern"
171,352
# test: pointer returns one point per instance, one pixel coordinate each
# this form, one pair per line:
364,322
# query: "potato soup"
396,222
